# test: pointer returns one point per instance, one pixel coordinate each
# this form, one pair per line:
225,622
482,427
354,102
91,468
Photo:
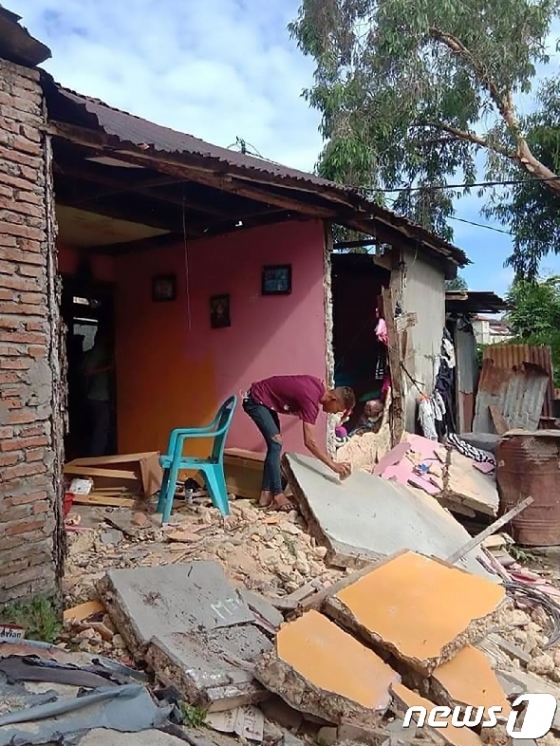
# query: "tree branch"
468,136
504,103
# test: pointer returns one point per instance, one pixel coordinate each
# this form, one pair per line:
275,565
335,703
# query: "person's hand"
343,470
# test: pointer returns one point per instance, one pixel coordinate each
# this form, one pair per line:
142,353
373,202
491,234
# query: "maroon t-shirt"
296,395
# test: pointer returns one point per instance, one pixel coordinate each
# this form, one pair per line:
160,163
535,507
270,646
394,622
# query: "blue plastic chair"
211,468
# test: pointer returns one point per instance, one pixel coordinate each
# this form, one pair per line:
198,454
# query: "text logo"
537,721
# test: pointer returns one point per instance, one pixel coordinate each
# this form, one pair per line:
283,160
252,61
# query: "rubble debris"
450,608
83,611
190,624
516,682
247,722
243,472
366,518
262,608
405,698
105,737
314,669
468,679
467,487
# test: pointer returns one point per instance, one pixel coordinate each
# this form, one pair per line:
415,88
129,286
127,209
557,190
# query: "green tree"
405,88
528,207
458,285
534,315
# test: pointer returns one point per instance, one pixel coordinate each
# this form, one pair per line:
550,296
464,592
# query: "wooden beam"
166,163
397,428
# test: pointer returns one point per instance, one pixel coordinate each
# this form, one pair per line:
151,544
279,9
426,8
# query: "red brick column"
31,398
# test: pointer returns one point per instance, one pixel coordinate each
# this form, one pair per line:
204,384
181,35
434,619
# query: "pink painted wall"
174,370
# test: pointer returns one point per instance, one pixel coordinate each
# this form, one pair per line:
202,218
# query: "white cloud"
216,69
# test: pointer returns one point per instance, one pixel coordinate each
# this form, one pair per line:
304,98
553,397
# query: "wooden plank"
492,528
123,458
500,425
109,502
91,471
397,424
83,611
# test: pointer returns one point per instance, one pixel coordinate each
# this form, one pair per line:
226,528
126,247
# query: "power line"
480,225
465,185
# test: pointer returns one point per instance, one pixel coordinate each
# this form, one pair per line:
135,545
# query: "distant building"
490,331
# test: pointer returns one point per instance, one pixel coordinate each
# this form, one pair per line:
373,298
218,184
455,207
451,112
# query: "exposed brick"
8,295
41,507
22,230
10,459
23,309
24,159
35,430
37,454
28,498
16,363
22,417
34,298
8,351
37,352
23,577
17,337
8,378
30,133
16,444
25,526
30,197
22,470
33,271
15,282
24,257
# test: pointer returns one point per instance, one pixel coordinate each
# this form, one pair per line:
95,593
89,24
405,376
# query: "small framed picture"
219,312
277,279
164,288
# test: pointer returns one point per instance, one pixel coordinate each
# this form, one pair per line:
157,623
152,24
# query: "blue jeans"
269,426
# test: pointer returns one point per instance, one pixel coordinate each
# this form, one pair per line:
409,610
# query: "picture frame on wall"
220,316
277,279
164,288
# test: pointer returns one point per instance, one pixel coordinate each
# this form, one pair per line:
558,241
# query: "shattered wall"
31,399
423,293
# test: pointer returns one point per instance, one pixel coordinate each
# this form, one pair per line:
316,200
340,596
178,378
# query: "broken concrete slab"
468,679
468,487
104,737
321,670
262,608
365,518
515,682
192,626
450,608
211,670
404,698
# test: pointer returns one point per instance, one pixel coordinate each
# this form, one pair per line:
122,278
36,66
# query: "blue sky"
219,69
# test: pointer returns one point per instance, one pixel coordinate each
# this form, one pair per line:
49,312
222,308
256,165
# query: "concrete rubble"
451,608
250,623
367,518
189,623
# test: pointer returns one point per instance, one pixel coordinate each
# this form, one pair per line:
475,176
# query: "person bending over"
298,396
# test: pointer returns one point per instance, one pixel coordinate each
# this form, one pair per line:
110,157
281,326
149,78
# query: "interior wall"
103,267
423,293
356,347
173,370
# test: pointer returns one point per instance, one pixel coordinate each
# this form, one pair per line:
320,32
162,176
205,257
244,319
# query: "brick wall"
31,425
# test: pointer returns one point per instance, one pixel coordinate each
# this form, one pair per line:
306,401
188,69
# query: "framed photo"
277,279
164,288
219,312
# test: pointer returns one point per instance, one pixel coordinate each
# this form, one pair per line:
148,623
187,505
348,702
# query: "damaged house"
210,269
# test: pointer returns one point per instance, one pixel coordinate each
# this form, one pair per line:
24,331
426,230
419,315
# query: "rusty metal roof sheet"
17,44
139,132
516,378
474,301
512,356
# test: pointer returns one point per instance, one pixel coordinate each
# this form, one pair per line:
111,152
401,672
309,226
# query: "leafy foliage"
530,208
458,285
535,315
410,91
38,617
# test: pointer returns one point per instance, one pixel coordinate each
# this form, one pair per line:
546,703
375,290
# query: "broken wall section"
31,403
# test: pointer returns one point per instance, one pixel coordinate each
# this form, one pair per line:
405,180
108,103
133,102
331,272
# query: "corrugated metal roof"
474,301
516,378
510,357
139,132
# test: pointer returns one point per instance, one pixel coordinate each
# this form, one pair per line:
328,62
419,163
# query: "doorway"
360,358
86,306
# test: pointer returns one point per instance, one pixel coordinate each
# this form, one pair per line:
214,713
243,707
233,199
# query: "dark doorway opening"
88,306
360,359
